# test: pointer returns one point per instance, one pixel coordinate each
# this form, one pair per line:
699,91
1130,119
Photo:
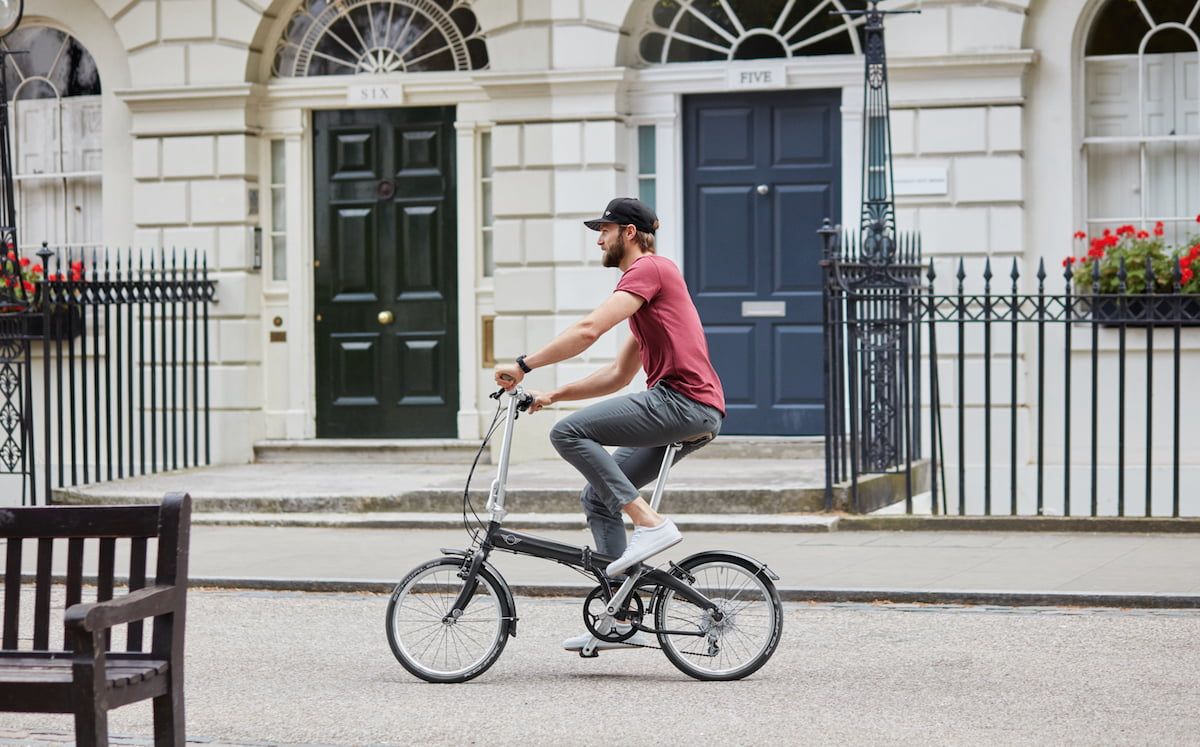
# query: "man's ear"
630,231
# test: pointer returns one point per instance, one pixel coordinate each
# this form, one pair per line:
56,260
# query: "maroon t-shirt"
668,331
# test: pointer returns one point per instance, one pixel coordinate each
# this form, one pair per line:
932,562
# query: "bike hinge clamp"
681,573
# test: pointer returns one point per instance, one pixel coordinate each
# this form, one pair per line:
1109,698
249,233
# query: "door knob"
763,189
386,317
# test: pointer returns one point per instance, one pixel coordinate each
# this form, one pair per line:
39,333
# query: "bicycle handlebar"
524,398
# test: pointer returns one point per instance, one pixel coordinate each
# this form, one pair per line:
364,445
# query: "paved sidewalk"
1021,562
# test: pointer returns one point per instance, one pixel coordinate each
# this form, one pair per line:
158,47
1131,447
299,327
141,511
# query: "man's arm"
582,334
604,381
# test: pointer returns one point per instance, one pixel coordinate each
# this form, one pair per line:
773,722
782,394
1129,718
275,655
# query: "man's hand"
508,375
540,400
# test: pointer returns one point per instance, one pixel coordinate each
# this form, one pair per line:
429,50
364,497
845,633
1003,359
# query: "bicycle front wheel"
745,636
440,650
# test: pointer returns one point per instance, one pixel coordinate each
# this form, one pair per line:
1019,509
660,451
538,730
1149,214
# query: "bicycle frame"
519,543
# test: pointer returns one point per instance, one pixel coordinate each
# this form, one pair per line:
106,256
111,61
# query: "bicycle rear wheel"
738,644
447,651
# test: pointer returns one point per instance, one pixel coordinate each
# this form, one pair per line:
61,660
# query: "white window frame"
486,202
1141,139
277,198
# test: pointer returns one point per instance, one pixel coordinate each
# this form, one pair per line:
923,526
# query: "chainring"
631,614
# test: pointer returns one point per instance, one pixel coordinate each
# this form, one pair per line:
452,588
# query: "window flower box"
1132,277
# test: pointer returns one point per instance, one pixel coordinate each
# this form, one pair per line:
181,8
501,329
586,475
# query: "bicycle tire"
489,631
667,613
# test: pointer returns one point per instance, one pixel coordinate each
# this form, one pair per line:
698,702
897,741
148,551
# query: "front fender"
508,596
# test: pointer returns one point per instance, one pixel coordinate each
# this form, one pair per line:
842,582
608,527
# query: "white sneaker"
645,542
578,642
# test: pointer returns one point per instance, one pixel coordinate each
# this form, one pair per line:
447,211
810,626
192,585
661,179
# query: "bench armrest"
136,605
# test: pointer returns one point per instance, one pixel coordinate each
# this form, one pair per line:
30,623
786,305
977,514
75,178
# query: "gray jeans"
642,425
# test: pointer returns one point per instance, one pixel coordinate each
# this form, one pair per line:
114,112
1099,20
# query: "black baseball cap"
626,211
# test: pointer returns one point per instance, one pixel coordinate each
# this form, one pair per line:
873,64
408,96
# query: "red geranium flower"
28,286
77,266
1143,235
24,261
37,269
1187,275
1108,231
76,277
1080,235
1158,228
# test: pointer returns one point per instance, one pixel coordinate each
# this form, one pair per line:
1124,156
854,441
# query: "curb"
1107,524
795,523
692,522
787,594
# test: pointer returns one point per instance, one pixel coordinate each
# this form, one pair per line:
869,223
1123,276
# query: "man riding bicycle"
684,401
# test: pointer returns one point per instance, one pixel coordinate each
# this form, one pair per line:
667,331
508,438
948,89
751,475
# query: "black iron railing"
1007,431
872,298
122,343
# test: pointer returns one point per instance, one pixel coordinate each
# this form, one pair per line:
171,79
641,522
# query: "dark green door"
386,293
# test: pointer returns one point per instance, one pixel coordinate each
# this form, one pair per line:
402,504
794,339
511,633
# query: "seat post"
663,471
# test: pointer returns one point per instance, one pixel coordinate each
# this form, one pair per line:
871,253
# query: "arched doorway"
384,225
761,170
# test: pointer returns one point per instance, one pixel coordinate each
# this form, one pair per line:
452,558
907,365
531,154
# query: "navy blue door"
761,171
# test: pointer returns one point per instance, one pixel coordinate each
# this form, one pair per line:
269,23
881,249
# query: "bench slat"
137,580
80,521
117,673
104,578
12,592
74,576
41,600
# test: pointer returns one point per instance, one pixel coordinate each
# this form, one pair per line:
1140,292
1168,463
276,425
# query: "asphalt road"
292,668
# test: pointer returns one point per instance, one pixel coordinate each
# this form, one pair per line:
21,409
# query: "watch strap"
522,365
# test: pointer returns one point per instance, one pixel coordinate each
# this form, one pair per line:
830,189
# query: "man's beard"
613,254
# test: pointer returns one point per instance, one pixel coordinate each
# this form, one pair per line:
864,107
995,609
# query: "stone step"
456,451
763,447
369,451
743,500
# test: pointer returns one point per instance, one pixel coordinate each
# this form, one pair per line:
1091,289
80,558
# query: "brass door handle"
386,317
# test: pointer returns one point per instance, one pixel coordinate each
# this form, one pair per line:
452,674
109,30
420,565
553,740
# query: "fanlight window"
1141,154
349,37
705,30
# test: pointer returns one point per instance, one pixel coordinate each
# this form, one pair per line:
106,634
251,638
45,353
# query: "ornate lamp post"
10,17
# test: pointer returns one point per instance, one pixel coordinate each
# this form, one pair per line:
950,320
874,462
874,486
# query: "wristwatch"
521,364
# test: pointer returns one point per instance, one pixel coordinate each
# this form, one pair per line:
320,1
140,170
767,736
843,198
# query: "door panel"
387,346
761,171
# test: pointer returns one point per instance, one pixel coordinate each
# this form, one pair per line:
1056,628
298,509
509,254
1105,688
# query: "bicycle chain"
659,648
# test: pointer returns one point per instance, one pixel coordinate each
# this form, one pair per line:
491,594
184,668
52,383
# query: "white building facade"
390,192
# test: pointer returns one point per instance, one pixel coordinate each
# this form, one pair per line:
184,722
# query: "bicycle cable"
473,531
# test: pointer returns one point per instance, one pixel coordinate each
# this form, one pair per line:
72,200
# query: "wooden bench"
85,677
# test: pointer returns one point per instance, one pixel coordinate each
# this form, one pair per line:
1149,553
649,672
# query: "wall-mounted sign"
773,75
375,94
920,180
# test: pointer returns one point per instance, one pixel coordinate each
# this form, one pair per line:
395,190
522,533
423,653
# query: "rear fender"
718,554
